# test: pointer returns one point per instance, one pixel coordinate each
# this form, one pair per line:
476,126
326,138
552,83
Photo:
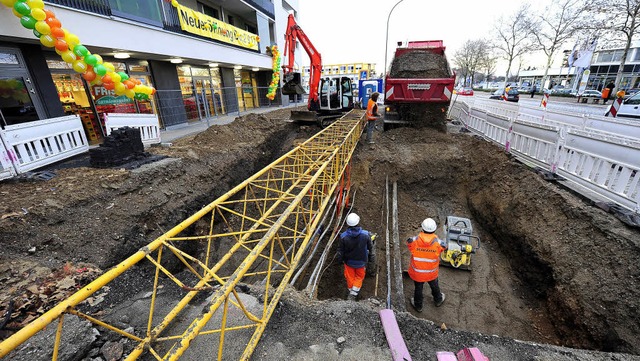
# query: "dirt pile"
419,64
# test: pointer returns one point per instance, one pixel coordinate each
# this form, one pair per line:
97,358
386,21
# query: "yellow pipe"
56,344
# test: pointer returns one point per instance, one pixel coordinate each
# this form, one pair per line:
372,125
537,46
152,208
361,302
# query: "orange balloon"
107,79
129,84
49,14
61,45
54,22
89,75
108,85
57,32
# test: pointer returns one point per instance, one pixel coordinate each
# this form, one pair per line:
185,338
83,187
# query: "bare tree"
470,56
513,36
620,16
489,63
556,25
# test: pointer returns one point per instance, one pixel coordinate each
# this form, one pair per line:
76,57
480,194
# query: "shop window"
145,11
246,89
141,67
231,20
199,72
8,59
252,29
188,95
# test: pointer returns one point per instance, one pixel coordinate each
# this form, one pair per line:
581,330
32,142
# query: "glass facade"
145,11
247,89
201,92
16,105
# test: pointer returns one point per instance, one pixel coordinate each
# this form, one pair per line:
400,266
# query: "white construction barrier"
602,155
36,144
147,123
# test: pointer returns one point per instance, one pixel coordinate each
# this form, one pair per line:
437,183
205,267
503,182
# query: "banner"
198,23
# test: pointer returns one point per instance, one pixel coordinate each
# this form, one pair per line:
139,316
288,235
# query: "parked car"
524,89
465,91
630,107
630,92
513,95
591,93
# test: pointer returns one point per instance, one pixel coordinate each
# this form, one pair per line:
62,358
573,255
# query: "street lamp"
386,43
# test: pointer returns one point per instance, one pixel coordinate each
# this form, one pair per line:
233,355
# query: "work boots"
413,304
438,304
352,297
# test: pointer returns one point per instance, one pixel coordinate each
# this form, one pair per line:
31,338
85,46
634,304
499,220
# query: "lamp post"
386,43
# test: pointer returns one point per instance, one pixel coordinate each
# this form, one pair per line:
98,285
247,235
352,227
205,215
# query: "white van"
630,107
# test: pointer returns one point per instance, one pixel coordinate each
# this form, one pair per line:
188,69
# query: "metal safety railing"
257,231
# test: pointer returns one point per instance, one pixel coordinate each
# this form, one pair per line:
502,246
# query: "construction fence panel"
497,128
605,166
536,143
147,123
36,144
6,160
477,120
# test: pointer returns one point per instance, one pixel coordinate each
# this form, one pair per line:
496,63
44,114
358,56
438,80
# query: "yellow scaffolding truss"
258,231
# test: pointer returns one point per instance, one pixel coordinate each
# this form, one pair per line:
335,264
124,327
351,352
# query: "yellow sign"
201,24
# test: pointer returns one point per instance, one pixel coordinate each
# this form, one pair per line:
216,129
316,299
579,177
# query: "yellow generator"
461,243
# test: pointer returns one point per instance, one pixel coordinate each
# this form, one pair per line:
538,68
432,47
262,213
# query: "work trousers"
435,292
371,124
355,277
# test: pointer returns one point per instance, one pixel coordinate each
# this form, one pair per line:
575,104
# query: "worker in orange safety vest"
372,116
355,251
425,260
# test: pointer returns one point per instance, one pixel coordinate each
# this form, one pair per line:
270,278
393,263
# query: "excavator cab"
336,94
292,84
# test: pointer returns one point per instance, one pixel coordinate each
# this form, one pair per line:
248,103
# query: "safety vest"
370,113
425,257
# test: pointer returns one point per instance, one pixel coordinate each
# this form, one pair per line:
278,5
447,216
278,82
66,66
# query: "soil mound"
418,64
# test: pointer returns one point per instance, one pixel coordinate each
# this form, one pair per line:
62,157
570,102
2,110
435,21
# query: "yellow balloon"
110,67
79,66
116,77
130,93
71,39
120,88
100,61
48,40
35,4
8,3
174,3
43,28
68,56
38,14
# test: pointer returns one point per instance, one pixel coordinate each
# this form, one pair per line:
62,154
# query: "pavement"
169,135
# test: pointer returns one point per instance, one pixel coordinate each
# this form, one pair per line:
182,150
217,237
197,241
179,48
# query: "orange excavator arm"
292,81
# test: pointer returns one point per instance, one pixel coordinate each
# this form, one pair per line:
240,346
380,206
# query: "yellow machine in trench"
461,243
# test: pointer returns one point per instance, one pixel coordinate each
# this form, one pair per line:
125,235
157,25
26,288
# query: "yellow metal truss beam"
265,223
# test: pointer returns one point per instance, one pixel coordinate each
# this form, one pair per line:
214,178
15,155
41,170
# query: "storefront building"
197,73
354,71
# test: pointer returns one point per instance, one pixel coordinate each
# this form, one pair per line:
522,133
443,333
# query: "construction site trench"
552,270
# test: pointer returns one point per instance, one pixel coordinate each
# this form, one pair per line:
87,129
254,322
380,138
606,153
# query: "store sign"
104,96
198,23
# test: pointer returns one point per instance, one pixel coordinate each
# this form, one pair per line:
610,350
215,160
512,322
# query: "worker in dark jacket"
425,260
355,251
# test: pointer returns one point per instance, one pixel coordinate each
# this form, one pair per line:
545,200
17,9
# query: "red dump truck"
418,86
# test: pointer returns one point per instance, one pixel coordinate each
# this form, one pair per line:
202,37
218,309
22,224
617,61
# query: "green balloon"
80,50
28,22
91,59
123,75
22,8
100,69
36,33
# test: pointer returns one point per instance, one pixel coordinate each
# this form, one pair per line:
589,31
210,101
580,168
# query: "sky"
346,31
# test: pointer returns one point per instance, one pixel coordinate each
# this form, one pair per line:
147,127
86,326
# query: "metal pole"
386,43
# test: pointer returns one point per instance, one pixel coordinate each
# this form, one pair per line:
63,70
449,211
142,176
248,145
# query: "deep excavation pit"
551,268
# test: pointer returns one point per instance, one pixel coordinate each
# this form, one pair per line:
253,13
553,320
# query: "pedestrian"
425,261
606,94
533,90
355,250
372,116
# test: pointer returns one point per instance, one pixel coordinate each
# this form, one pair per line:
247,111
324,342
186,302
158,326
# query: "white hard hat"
353,219
429,225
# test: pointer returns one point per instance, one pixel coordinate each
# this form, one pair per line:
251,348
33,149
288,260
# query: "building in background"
355,71
197,73
604,67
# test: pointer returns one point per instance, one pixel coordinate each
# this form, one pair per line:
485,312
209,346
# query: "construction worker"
355,251
372,116
425,258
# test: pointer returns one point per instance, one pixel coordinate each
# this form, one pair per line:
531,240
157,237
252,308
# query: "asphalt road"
564,104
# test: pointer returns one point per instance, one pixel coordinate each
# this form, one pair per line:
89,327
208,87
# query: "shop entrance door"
19,102
204,97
